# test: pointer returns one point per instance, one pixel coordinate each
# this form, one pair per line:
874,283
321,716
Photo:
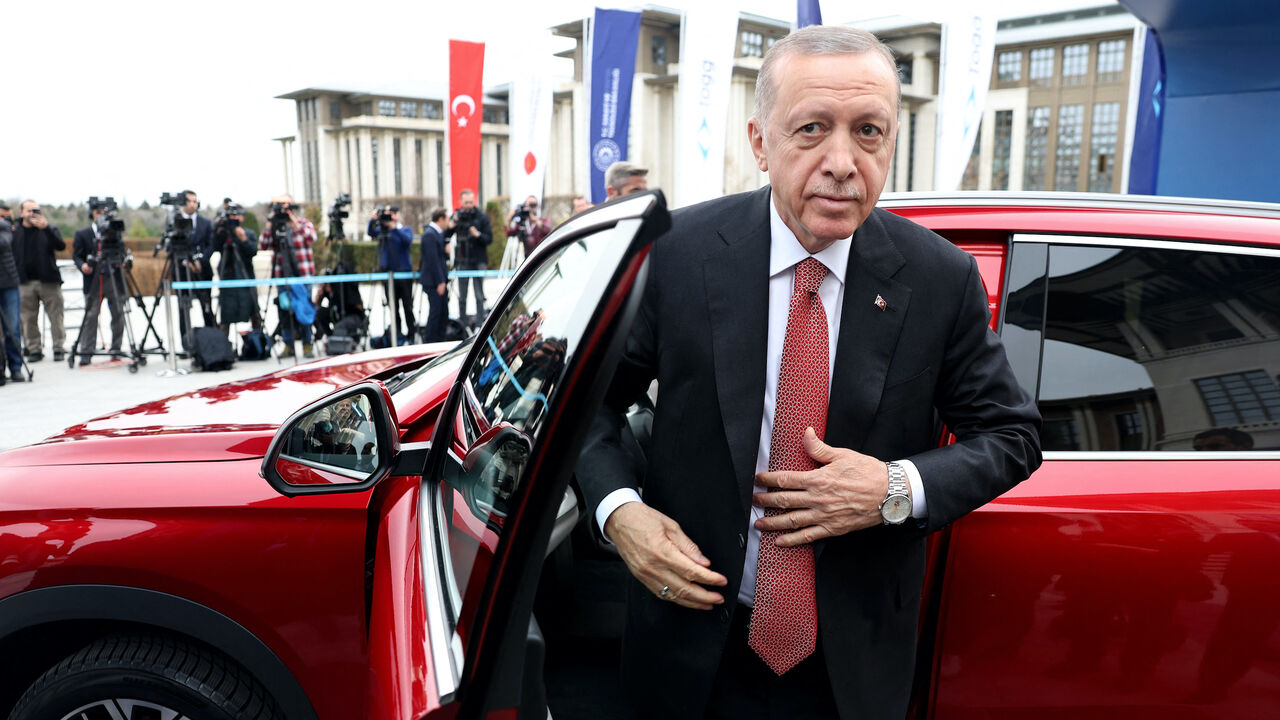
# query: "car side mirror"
344,442
490,473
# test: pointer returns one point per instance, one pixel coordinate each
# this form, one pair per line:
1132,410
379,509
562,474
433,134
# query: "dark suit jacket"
701,332
433,268
48,264
201,243
84,244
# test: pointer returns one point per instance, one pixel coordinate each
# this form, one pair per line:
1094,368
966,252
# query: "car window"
1153,348
508,394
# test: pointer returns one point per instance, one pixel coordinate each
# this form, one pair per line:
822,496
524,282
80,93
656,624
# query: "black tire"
145,676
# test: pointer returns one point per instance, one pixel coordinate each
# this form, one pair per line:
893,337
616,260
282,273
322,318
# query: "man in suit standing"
805,345
433,273
198,267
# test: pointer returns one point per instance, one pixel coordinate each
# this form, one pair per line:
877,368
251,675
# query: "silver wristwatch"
896,507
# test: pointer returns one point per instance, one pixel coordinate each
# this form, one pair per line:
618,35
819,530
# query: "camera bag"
211,350
254,345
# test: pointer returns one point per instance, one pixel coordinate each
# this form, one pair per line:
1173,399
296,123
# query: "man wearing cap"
622,178
395,241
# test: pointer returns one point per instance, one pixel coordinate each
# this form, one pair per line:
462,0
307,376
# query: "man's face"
531,202
468,201
192,205
97,213
6,213
827,142
634,184
28,209
395,216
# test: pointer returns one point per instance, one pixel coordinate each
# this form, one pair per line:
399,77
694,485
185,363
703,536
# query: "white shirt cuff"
919,508
613,501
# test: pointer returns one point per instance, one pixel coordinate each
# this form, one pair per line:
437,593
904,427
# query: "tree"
251,221
145,205
140,229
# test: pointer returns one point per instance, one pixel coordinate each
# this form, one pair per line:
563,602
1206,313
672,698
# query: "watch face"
896,509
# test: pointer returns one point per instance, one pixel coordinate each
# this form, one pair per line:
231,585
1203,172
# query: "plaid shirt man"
303,259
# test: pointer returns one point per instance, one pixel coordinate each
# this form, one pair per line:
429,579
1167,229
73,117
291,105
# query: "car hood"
232,421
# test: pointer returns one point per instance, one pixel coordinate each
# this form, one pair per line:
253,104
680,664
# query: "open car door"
458,551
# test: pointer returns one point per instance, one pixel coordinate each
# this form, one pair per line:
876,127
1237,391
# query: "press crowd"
30,279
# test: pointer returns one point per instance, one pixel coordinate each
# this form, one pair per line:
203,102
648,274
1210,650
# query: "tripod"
113,282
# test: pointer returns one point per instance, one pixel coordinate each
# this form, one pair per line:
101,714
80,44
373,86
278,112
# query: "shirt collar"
785,250
438,228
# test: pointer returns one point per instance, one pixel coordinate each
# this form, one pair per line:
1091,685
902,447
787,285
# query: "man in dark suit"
805,345
198,267
100,283
433,273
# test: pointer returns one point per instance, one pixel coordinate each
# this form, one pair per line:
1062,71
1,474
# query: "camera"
223,223
337,213
177,230
110,230
384,214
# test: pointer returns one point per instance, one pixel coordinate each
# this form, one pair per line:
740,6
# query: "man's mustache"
838,191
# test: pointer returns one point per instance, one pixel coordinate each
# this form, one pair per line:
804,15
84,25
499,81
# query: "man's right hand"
659,554
440,289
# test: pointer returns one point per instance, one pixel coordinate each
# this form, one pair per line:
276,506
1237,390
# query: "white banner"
968,43
530,136
707,39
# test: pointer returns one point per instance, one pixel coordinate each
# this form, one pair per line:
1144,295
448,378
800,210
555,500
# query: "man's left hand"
841,495
474,232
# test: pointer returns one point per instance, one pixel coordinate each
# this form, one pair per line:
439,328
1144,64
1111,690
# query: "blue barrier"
313,279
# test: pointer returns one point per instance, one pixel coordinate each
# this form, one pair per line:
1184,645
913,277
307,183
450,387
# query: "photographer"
236,245
395,241
474,234
10,335
34,243
291,236
102,281
524,222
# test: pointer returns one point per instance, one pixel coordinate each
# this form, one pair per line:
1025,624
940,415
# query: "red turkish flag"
466,105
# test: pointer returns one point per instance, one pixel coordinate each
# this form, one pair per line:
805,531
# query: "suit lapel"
868,334
737,282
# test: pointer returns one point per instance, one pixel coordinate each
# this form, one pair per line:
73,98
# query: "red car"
316,543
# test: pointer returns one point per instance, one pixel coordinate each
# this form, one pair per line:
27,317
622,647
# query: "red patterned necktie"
784,620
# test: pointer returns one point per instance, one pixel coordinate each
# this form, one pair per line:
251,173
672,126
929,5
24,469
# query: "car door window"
507,395
1150,346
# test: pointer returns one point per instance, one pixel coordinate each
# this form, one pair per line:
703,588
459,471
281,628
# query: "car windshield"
409,378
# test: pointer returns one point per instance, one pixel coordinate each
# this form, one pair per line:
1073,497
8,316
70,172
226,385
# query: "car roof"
1092,213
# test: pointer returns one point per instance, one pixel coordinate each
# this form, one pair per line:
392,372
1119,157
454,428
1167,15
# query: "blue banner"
808,13
614,35
1144,160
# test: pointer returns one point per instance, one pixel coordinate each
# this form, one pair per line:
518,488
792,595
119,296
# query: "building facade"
1057,117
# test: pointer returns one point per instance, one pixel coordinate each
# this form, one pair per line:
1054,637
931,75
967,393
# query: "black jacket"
472,251
702,332
46,243
83,245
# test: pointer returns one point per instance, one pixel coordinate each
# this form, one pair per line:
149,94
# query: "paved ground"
60,396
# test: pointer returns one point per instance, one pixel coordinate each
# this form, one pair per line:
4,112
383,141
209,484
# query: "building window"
1060,434
315,170
1041,72
366,108
417,168
1102,146
498,156
1009,67
658,52
1075,64
359,170
387,108
440,172
395,158
408,109
431,110
969,181
905,67
495,115
373,151
1242,397
1033,169
752,44
1129,431
1111,55
1066,175
911,152
1002,150
349,183
335,113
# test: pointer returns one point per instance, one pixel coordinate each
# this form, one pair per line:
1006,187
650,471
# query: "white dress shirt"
785,252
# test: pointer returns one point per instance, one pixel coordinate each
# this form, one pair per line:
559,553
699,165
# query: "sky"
137,98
